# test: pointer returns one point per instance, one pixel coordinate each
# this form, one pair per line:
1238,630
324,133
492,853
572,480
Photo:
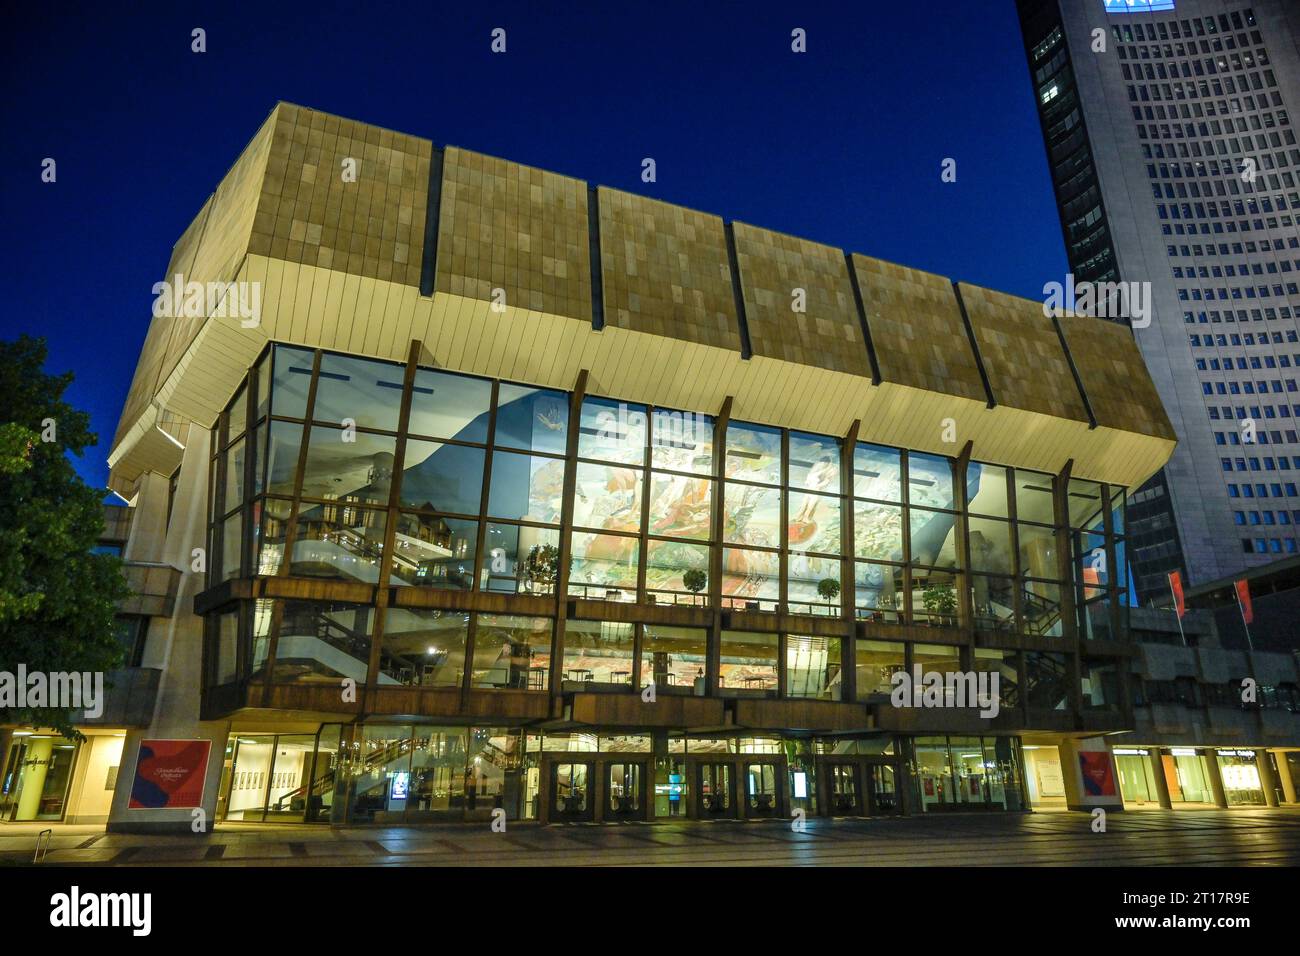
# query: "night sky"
842,145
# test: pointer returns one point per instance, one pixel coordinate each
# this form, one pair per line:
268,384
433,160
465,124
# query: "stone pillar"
149,516
1162,782
1267,779
1211,759
1283,776
1073,753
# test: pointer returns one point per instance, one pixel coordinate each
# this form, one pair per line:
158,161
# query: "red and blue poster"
169,774
1098,776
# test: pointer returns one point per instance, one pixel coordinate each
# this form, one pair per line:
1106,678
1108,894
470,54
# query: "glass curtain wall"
350,469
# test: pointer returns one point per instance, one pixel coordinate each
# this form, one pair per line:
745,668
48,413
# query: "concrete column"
1283,776
1162,782
1076,796
1216,778
1267,779
149,516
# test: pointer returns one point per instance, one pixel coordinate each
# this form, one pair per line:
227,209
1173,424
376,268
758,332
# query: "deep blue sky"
842,144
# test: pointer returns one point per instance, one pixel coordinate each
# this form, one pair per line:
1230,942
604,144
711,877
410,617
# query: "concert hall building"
485,489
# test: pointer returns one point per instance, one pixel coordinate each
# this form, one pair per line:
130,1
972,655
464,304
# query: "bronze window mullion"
848,575
713,654
783,557
291,532
905,503
480,544
643,544
247,564
383,586
566,531
1064,567
218,557
1013,516
1112,568
961,541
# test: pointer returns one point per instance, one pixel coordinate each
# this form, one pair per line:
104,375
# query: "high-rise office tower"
1175,162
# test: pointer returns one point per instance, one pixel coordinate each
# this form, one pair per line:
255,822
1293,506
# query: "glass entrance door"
844,790
625,791
884,794
37,776
761,796
715,797
571,792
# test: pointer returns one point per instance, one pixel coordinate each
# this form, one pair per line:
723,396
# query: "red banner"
1243,599
169,774
1176,586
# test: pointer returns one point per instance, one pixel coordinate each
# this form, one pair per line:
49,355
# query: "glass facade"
480,515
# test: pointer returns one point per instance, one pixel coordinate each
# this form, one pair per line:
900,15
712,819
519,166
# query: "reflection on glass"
877,531
516,560
875,663
814,523
814,462
681,506
607,498
682,441
1083,501
929,480
674,659
423,648
446,478
877,472
323,641
813,584
603,566
990,545
337,541
878,592
812,667
612,431
282,457
433,551
1034,497
526,487
532,419
511,652
365,391
752,515
750,579
1037,551
748,664
754,453
292,380
341,464
667,564
599,652
446,405
234,488
933,534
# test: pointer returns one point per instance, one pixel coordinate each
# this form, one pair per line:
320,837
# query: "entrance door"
37,777
625,790
571,792
714,797
763,789
882,787
843,789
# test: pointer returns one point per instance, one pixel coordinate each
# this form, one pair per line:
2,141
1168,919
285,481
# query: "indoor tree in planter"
940,602
695,580
541,566
829,589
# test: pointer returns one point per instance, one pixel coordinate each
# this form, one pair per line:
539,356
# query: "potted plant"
829,589
541,566
940,602
695,580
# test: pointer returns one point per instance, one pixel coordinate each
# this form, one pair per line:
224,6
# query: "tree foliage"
57,598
